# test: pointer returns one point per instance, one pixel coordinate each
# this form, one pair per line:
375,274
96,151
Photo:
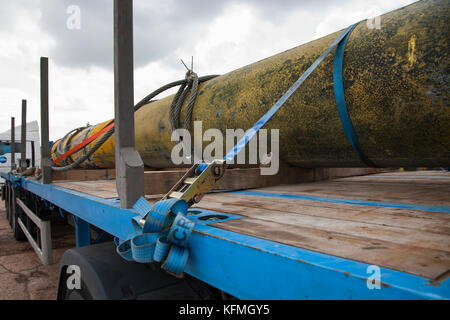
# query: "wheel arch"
109,277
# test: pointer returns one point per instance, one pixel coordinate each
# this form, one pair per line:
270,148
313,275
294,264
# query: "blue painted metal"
252,268
105,214
249,267
82,232
397,205
100,237
203,216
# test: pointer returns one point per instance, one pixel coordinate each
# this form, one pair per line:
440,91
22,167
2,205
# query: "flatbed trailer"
316,240
300,234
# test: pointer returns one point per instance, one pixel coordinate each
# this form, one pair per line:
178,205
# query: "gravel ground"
22,275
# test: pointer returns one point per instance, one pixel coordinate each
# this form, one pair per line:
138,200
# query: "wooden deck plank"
100,188
250,206
427,263
366,228
412,241
362,188
161,181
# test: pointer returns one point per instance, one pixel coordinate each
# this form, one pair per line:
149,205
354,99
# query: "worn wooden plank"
252,205
402,233
84,174
412,241
100,188
427,263
160,181
430,192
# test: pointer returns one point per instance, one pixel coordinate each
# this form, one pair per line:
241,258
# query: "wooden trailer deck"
396,220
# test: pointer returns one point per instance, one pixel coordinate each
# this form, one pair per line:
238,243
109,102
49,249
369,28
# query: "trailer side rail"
43,246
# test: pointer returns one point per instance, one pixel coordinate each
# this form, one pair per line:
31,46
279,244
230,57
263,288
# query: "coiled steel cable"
69,136
189,84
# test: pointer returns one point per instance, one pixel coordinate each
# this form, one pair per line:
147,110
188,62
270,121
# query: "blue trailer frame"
244,266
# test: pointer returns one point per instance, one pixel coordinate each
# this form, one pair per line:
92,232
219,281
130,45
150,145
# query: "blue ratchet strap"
178,254
265,118
162,249
163,213
340,99
142,207
143,247
180,231
164,236
176,260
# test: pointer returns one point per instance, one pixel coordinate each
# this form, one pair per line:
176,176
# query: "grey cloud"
160,27
10,10
91,44
155,33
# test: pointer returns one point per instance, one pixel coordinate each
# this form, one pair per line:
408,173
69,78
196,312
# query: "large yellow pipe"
396,89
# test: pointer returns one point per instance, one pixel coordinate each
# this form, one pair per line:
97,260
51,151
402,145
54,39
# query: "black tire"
104,275
77,294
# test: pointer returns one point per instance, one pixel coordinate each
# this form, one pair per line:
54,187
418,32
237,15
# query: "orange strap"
85,142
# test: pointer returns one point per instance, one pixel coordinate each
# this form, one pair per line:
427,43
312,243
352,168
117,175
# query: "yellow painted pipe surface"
396,89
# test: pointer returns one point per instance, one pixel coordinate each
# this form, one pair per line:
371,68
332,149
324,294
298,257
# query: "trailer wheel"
74,295
104,275
77,294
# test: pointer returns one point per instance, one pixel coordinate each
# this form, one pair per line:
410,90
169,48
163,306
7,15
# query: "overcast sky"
221,35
